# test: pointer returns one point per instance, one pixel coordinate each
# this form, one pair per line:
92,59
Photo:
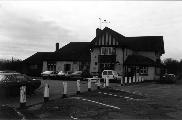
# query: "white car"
111,74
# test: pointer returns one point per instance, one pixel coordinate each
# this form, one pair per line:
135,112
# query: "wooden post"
89,84
125,80
46,93
107,82
78,87
22,97
129,80
98,84
134,79
121,81
65,89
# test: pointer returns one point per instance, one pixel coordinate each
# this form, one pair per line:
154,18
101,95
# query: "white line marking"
100,103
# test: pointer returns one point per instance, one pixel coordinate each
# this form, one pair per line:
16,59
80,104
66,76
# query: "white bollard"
129,80
121,81
125,80
98,84
22,96
89,84
65,89
104,83
107,82
46,93
134,79
78,87
140,79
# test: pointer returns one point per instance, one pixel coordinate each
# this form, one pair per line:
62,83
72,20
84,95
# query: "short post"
107,82
89,84
98,84
133,79
78,87
140,79
64,89
46,93
104,82
125,80
22,97
121,81
129,80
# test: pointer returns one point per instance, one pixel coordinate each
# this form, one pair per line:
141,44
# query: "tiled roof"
139,60
141,43
74,51
38,57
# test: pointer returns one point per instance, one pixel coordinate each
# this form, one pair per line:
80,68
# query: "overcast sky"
35,26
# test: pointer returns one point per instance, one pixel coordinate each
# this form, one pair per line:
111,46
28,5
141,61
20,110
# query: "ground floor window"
143,70
51,65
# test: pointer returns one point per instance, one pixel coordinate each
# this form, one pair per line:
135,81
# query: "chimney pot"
57,46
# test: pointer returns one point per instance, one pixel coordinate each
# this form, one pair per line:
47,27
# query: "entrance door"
106,66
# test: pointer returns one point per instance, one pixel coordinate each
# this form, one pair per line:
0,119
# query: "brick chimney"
57,46
98,31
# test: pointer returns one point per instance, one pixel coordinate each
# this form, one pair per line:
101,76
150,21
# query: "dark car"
168,78
10,83
81,75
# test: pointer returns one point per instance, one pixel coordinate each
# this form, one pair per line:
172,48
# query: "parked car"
49,74
78,75
168,78
61,75
111,74
10,83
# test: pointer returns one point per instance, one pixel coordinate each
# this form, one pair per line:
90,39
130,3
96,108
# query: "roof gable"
141,43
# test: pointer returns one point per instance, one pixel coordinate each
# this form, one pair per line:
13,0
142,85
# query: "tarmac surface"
146,101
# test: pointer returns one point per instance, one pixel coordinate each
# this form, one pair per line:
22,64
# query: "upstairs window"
107,51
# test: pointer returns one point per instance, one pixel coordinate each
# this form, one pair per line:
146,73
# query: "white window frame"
144,70
107,51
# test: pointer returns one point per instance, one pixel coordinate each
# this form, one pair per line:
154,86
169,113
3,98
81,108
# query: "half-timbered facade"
129,56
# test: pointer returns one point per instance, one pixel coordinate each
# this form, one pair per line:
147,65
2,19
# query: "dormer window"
107,51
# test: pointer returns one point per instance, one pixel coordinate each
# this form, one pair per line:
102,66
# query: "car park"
10,83
49,74
168,78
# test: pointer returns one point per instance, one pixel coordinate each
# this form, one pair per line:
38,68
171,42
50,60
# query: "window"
109,72
143,70
107,51
51,65
95,63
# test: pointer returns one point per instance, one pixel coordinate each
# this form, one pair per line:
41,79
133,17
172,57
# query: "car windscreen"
115,73
77,72
47,72
105,73
7,78
109,72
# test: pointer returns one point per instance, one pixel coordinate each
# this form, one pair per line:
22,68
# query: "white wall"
60,65
151,74
44,68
